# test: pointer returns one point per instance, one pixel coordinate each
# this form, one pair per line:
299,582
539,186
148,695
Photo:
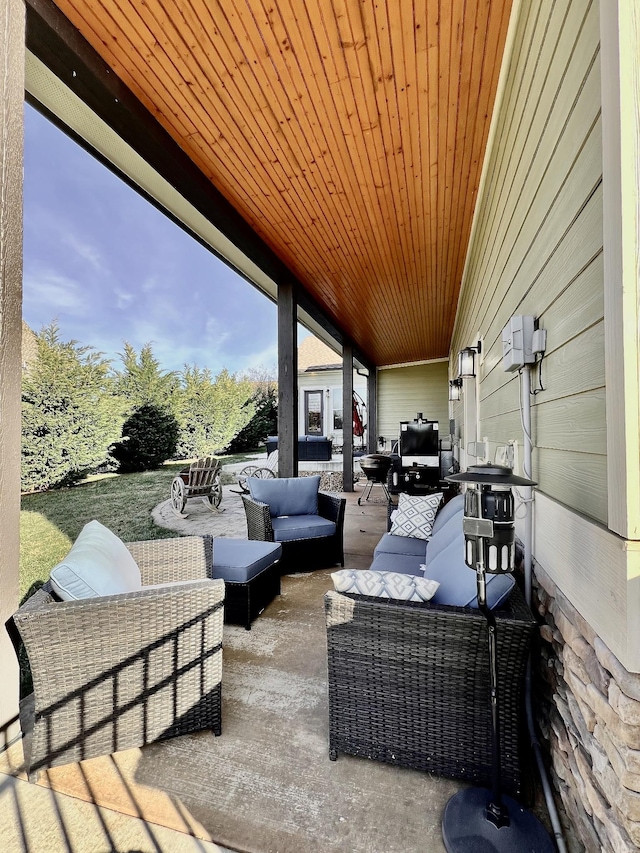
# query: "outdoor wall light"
480,818
455,388
467,361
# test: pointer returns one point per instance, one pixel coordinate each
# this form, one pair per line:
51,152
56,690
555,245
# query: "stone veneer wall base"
590,718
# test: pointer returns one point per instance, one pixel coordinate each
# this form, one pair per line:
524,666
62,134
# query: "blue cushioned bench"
251,575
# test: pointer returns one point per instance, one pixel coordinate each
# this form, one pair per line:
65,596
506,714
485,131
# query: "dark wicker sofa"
409,684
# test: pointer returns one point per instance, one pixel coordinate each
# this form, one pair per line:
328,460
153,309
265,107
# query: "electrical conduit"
525,411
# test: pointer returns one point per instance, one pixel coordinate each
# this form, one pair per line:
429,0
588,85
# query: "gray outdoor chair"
113,672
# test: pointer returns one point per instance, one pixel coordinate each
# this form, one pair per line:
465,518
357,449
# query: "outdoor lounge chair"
115,671
201,480
307,523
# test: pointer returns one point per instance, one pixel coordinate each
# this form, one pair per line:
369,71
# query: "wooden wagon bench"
201,480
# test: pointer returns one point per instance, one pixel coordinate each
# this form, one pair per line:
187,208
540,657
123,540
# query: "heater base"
466,828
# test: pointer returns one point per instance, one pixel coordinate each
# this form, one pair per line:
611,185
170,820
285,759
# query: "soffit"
349,134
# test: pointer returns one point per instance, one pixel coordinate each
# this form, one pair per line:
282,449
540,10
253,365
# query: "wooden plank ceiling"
350,134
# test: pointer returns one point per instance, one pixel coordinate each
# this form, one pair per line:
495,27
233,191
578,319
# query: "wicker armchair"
301,554
409,685
120,671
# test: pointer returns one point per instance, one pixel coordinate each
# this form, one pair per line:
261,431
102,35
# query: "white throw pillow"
384,584
415,515
98,564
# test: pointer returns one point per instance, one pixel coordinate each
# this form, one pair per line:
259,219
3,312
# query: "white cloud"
150,283
54,293
85,250
123,298
267,357
216,336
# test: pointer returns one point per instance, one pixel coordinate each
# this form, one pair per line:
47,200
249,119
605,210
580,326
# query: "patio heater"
482,819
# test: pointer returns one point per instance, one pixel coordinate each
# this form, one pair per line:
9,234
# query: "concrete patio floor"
37,820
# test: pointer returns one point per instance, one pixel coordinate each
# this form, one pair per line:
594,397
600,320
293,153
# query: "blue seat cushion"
289,528
458,582
403,564
445,535
391,544
287,495
451,507
239,560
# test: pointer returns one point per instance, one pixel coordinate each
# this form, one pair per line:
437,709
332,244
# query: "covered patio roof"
344,140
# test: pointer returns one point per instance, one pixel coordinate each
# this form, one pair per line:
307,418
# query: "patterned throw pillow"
384,584
415,515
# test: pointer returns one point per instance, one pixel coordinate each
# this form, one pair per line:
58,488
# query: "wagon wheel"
215,495
264,474
247,471
178,498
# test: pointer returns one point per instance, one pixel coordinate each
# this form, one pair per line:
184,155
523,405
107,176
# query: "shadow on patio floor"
267,783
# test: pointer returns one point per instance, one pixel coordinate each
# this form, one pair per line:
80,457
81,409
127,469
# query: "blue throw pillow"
458,582
288,495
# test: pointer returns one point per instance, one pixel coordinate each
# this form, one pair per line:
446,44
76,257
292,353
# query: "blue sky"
109,268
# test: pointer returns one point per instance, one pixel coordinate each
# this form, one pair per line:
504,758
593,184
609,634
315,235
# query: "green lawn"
50,521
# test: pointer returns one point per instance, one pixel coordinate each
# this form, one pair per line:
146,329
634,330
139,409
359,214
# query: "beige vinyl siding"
405,391
537,249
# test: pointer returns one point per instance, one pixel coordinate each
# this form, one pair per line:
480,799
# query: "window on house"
313,412
337,408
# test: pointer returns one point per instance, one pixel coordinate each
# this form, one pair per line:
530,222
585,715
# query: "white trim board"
620,75
597,570
412,363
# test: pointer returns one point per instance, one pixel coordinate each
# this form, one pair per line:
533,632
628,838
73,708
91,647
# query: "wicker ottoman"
251,575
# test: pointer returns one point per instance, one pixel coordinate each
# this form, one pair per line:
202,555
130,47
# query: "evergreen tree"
149,438
70,415
143,381
263,423
210,411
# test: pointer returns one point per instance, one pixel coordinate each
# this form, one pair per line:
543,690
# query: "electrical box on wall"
517,342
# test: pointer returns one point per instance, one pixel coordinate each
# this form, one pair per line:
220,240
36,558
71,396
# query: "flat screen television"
418,443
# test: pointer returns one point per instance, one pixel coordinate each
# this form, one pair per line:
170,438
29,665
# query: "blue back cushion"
451,507
288,495
458,582
445,535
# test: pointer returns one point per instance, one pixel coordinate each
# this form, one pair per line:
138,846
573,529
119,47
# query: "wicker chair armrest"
78,641
166,560
331,507
258,520
514,612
